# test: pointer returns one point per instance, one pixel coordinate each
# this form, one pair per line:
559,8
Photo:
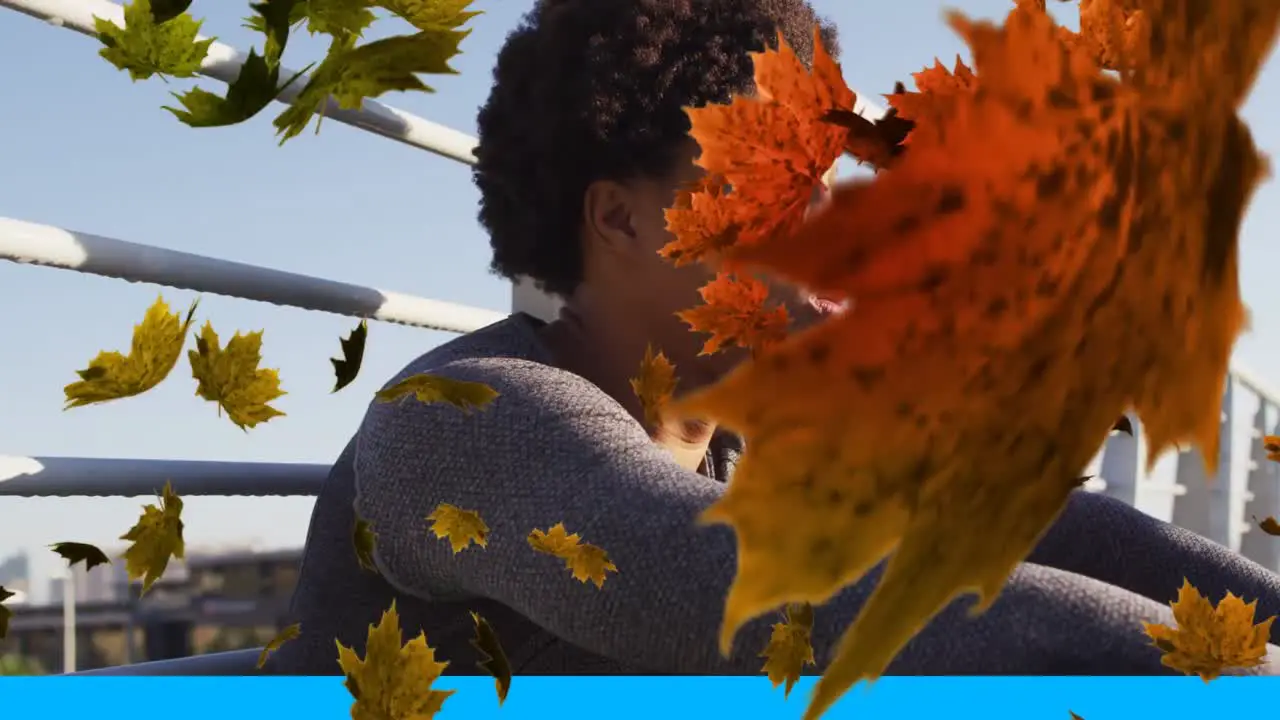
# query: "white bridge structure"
1245,486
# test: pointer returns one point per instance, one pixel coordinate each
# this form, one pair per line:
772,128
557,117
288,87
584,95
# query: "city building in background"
214,601
15,576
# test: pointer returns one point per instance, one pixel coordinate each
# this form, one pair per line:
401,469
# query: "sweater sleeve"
1115,542
553,448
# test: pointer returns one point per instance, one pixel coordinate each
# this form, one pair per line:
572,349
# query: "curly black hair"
587,90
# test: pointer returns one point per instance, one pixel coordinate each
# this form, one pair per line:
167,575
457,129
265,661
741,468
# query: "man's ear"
608,209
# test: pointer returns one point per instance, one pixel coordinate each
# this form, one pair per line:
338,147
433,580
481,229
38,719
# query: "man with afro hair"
583,143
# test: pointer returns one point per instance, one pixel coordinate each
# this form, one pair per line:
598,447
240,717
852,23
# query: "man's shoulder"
510,359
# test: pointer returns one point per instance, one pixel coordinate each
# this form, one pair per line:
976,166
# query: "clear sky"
84,148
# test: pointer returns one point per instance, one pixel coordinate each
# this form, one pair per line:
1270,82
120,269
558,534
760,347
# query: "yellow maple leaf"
590,563
461,527
654,385
365,542
790,647
428,388
555,541
393,681
156,537
156,347
231,377
1026,261
587,562
1208,640
291,632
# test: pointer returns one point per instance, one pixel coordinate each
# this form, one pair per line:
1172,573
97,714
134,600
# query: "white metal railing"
25,242
1245,483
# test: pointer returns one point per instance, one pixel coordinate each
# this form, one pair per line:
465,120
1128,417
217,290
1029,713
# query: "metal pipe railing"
126,477
25,242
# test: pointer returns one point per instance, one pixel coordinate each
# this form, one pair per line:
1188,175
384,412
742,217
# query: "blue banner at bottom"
650,698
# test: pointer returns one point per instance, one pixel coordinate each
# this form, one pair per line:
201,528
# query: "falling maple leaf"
555,541
934,102
790,647
154,539
1268,525
1024,257
494,659
873,142
1271,443
258,81
587,562
5,613
654,385
156,347
162,11
231,377
773,148
347,367
148,46
286,634
735,312
74,552
393,681
364,540
428,388
428,14
1207,639
700,221
461,527
352,75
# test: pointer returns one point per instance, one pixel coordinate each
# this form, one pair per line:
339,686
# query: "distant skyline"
82,147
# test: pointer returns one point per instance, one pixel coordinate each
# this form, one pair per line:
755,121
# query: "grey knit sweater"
554,448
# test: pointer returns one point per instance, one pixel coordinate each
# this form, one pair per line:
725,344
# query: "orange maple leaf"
1029,251
736,312
932,105
772,148
702,222
1271,443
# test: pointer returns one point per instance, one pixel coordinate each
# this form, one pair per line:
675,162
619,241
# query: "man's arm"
552,448
1116,543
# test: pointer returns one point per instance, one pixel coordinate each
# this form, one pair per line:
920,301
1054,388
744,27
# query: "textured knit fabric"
554,448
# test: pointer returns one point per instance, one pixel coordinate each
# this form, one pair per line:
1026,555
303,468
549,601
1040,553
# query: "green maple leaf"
163,11
494,659
258,82
365,541
370,70
432,14
74,552
144,47
343,20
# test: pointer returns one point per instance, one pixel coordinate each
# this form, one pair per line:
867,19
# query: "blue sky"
84,148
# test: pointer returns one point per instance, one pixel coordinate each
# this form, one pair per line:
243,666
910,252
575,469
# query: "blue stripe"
700,698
